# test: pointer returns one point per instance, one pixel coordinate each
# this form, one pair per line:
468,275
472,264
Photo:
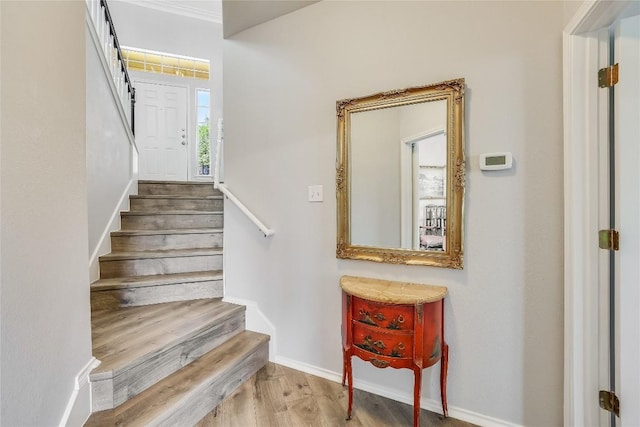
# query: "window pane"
202,66
202,75
135,65
203,98
203,114
173,71
204,139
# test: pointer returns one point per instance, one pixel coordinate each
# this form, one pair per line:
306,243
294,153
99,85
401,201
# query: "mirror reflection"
400,175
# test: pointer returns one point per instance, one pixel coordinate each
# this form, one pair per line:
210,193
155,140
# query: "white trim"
114,91
393,394
179,9
407,170
257,321
79,406
580,55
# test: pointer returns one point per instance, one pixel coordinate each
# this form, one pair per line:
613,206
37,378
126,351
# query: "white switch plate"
315,193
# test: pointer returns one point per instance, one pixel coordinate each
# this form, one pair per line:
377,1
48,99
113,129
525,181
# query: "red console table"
394,324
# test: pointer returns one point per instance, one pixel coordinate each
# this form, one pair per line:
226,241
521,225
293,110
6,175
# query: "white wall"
46,338
164,32
375,183
504,310
110,157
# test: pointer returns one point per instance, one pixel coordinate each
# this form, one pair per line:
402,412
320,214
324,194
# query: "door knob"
184,143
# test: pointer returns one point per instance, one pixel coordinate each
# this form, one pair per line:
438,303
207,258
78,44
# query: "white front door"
161,131
627,210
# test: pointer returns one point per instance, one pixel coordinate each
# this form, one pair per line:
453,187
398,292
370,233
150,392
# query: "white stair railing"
107,38
228,194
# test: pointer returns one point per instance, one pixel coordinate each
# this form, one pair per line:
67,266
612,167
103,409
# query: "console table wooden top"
391,292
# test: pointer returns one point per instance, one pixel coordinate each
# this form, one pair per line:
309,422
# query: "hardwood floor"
278,396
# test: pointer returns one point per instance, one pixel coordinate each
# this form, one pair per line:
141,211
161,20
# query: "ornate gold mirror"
400,176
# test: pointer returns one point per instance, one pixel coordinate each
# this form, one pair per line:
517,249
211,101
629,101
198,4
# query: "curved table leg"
444,368
349,376
417,385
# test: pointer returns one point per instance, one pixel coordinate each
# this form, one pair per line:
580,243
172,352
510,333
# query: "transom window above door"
165,63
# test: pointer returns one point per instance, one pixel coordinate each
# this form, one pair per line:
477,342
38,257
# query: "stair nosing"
199,383
167,212
154,280
99,373
146,181
142,232
175,197
157,254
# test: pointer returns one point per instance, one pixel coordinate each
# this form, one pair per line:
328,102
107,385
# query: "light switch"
315,193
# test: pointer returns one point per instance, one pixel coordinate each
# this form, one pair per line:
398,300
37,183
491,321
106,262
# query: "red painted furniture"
394,324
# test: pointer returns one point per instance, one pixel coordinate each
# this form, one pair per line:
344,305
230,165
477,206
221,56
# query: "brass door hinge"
610,402
609,239
608,76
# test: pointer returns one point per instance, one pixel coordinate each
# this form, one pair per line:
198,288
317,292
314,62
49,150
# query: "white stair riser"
108,393
209,396
168,189
149,266
171,221
145,295
166,241
138,204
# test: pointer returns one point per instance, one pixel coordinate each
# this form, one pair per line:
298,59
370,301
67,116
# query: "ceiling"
239,15
235,15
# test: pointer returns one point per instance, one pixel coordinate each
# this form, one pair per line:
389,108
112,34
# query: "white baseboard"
257,321
104,243
78,408
399,396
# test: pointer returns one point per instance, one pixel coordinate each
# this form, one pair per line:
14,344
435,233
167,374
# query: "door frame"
407,172
189,131
582,162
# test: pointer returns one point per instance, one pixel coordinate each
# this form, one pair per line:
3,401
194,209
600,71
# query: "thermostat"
496,161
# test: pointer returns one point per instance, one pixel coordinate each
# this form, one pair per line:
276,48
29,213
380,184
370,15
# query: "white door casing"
162,132
627,153
584,158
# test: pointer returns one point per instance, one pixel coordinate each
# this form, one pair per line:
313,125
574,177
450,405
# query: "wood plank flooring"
278,396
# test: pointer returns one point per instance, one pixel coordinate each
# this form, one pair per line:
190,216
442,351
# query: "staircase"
171,349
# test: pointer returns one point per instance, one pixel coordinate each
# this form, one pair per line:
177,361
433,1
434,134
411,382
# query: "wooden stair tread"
124,337
175,197
166,231
166,212
169,253
148,181
155,280
152,406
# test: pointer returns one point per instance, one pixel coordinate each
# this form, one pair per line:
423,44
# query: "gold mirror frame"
453,92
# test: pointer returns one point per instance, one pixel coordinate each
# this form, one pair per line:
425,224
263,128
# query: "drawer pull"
379,363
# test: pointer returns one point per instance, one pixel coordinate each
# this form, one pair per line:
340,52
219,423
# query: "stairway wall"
111,155
45,331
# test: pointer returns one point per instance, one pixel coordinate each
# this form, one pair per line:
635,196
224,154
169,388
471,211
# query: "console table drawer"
393,317
381,342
